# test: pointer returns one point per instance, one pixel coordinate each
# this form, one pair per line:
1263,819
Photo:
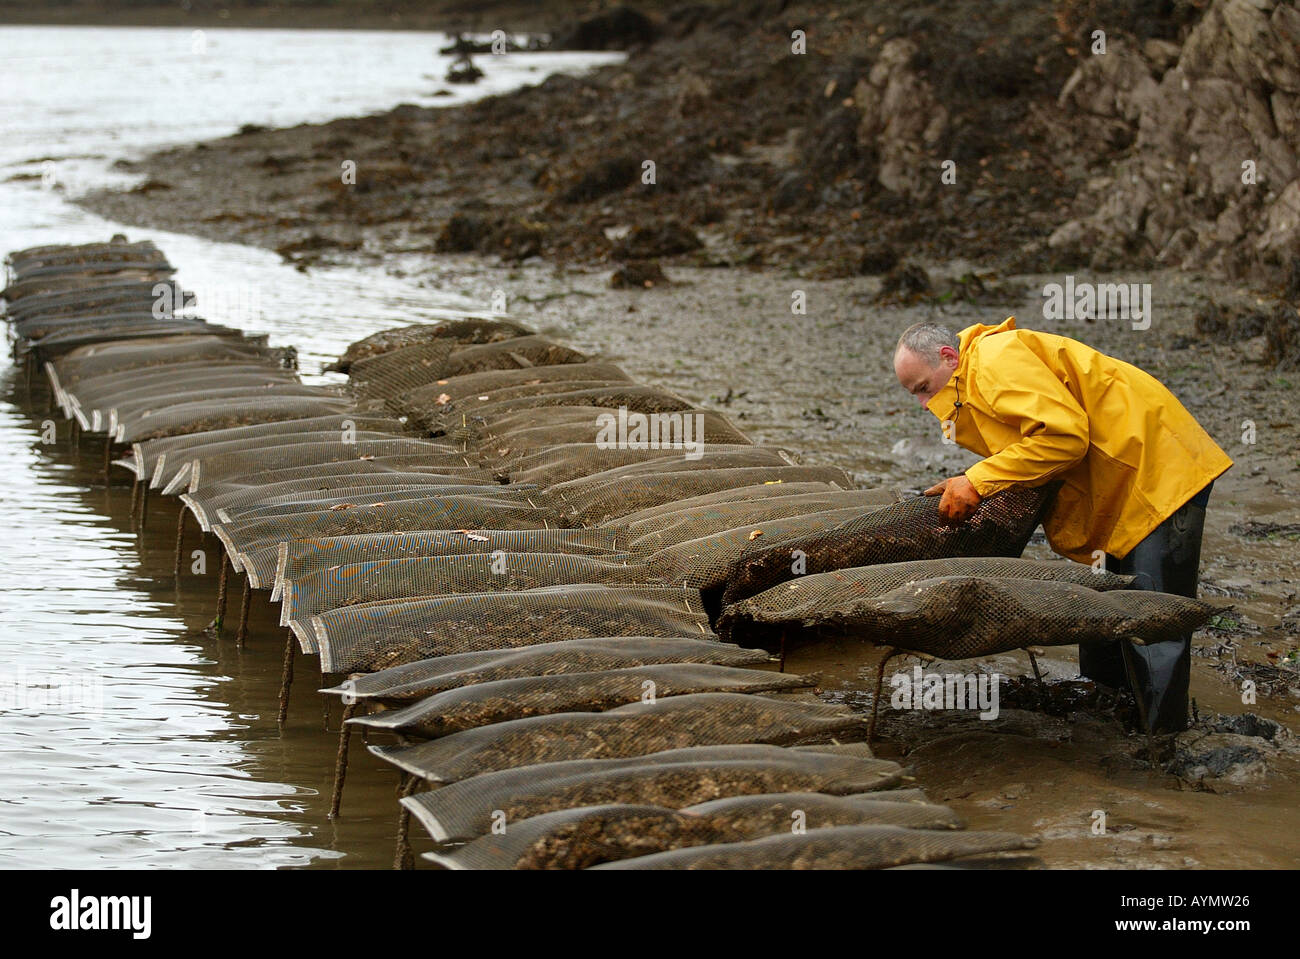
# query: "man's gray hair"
925,339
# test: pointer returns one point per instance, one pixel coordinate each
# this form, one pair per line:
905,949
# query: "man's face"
920,377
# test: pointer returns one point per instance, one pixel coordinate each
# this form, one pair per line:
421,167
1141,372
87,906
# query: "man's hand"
959,498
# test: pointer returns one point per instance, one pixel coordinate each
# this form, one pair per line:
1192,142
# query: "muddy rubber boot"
1159,675
1103,664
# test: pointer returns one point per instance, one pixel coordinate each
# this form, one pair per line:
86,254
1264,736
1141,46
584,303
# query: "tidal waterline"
129,735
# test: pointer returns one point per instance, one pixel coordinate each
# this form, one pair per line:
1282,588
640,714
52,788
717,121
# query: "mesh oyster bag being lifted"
426,677
470,707
374,636
673,778
300,557
908,530
700,719
499,571
830,598
837,847
962,617
583,837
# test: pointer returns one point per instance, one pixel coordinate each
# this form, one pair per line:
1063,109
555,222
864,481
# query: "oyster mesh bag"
300,557
825,597
449,389
114,358
962,617
468,330
257,506
572,460
373,636
265,454
908,530
591,502
772,813
147,456
577,424
701,719
841,847
673,778
612,396
221,414
443,512
705,562
349,584
422,678
583,837
482,704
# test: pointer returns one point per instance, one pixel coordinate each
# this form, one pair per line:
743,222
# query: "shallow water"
128,736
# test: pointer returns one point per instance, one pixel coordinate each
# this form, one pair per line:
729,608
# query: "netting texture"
347,585
826,598
446,512
469,330
908,530
483,704
962,617
589,503
265,454
215,415
147,455
843,847
300,556
674,778
701,719
428,676
373,636
586,836
658,532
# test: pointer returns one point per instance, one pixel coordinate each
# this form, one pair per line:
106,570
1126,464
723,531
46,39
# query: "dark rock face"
618,28
1213,180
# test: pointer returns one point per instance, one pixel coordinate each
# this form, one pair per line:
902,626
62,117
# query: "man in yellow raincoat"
1136,470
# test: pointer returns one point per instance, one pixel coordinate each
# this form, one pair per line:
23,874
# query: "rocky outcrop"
903,123
1212,180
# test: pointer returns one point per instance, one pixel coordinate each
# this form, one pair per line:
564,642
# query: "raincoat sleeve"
1023,392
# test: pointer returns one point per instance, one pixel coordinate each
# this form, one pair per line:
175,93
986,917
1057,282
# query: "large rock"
1226,112
903,122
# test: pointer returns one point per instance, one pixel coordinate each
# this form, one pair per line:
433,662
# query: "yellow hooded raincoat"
1042,407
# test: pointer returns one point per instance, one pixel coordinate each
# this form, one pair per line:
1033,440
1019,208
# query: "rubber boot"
1158,675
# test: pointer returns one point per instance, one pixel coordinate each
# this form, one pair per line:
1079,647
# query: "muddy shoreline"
720,330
